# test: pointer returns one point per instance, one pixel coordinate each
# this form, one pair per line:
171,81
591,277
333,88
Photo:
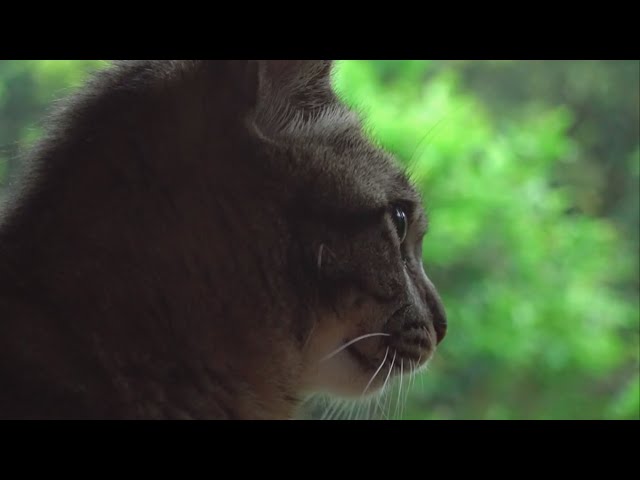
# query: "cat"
198,239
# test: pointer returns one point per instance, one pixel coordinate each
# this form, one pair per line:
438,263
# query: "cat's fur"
191,238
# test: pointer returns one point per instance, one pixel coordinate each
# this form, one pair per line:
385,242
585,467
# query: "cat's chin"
354,363
351,374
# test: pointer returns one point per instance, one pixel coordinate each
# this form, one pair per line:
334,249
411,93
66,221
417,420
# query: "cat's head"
358,226
230,220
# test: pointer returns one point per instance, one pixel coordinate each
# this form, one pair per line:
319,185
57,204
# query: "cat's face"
380,315
385,316
359,225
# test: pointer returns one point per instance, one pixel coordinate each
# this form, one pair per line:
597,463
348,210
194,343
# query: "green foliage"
27,88
533,238
538,325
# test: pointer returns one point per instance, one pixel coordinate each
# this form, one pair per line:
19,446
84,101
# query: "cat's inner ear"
290,91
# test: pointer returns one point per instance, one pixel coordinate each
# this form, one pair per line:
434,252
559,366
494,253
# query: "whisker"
346,345
382,397
330,405
340,411
408,390
326,410
419,373
398,408
357,406
415,156
336,410
410,164
374,375
377,399
336,407
412,377
365,410
347,413
403,396
353,411
414,367
320,251
382,406
306,342
390,368
424,370
387,379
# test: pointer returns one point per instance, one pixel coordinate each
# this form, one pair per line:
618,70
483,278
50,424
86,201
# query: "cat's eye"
400,220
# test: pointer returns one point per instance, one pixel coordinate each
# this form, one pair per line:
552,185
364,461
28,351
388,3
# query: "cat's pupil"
400,220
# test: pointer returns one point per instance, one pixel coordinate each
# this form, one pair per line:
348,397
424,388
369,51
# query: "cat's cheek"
328,369
339,376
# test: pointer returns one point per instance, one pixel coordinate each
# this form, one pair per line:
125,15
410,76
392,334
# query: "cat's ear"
291,90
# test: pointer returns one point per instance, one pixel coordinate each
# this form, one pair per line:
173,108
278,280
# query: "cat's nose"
440,326
436,308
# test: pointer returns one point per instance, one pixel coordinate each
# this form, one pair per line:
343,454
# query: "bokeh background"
530,174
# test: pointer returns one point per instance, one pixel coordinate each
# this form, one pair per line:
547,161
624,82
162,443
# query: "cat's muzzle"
414,334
